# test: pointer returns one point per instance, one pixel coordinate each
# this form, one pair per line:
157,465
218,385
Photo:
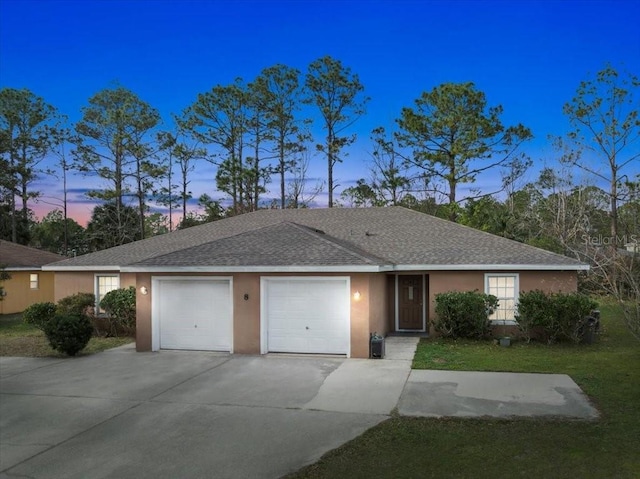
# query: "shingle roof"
16,256
392,235
281,244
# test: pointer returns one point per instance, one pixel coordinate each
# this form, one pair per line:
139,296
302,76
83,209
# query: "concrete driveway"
122,414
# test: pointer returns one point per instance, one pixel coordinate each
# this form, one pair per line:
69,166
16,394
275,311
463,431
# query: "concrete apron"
477,394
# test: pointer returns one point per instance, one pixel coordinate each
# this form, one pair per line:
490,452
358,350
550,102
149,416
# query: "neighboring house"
309,280
28,283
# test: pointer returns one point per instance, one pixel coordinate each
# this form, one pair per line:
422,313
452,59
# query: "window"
34,281
104,284
505,288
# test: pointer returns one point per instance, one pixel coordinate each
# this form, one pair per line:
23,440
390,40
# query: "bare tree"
299,193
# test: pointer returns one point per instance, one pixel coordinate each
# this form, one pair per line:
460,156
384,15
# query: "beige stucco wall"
372,312
378,304
72,282
550,281
19,293
246,313
143,312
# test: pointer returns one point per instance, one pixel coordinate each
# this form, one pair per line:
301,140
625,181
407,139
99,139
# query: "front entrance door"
410,308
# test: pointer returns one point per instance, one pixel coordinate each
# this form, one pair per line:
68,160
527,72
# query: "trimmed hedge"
464,314
554,317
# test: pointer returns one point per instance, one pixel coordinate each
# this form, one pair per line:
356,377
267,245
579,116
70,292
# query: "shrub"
79,304
535,313
69,333
571,311
39,314
554,316
120,305
464,314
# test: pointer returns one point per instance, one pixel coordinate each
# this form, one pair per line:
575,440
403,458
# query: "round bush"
39,314
68,333
464,314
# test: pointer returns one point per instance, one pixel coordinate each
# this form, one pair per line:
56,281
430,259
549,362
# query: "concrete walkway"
122,414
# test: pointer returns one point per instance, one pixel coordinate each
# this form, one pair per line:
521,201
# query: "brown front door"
410,302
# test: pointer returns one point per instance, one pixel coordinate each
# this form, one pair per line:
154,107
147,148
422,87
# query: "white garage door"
306,315
192,313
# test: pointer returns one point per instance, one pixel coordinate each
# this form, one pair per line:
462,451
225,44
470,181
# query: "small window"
34,281
505,288
104,284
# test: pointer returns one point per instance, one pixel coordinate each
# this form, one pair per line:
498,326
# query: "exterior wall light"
357,295
144,290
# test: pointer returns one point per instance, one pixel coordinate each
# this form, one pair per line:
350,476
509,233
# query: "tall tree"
454,136
389,176
338,95
113,143
61,137
183,154
605,121
25,139
219,117
299,193
278,93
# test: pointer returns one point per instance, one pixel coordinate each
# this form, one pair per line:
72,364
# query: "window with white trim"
34,281
504,287
104,284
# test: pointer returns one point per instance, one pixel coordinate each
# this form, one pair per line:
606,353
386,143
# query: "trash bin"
376,346
590,328
596,315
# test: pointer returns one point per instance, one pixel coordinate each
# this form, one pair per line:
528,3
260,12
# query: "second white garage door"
192,313
306,315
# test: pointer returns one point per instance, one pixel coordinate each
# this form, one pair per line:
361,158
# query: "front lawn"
20,339
609,372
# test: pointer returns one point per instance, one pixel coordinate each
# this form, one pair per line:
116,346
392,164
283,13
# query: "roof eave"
492,267
81,268
23,268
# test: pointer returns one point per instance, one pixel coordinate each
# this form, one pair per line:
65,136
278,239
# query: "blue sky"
528,56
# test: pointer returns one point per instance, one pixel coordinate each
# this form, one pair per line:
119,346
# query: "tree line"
260,133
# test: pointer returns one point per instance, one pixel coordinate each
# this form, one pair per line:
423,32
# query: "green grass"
20,339
608,372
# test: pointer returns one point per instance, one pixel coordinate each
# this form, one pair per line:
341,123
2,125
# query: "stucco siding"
19,294
246,313
549,281
378,304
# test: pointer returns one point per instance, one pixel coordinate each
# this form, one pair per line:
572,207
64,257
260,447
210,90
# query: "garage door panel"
307,315
194,314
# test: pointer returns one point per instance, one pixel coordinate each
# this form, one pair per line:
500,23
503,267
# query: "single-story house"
28,283
308,280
